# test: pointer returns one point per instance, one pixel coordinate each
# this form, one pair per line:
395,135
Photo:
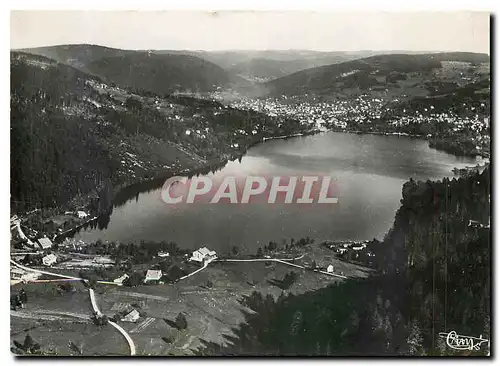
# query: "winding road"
120,329
198,270
58,274
92,301
283,261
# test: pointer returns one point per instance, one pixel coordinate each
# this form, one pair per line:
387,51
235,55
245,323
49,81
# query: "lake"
368,171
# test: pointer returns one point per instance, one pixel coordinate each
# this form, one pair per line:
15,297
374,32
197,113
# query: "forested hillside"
156,72
163,73
398,73
73,135
433,276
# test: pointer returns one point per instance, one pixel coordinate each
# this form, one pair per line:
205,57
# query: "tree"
23,297
289,279
15,302
272,246
75,348
168,340
235,250
181,321
29,346
133,104
135,279
90,278
314,265
259,252
66,287
100,320
415,340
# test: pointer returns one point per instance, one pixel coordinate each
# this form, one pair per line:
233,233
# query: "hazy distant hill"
262,69
159,73
271,64
376,72
164,73
77,55
267,65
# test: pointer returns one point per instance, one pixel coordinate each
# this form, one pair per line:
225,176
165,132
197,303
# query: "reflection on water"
369,171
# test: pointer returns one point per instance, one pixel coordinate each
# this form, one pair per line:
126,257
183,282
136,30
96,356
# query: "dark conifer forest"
433,276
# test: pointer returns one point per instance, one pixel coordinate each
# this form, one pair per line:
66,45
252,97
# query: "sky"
244,30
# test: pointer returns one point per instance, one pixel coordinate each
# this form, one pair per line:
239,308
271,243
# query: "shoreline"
119,195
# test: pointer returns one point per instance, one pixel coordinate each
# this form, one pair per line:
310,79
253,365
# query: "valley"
95,131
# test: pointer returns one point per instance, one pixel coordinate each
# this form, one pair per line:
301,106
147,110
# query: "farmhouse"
49,260
131,317
203,255
81,214
45,243
152,275
120,280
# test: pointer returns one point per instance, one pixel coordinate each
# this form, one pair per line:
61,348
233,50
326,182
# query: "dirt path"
283,261
50,315
120,329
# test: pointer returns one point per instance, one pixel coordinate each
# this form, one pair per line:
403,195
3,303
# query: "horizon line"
243,49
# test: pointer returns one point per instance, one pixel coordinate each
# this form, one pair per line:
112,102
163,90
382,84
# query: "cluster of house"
478,225
316,114
46,244
202,257
79,214
323,115
341,248
152,276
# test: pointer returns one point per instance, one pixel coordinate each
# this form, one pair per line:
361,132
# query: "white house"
120,280
49,260
152,275
131,317
341,250
329,269
81,214
45,243
163,254
203,255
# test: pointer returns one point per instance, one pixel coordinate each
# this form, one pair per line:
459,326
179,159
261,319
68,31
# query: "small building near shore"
45,243
82,214
341,250
49,260
329,269
203,256
120,280
131,317
152,275
359,247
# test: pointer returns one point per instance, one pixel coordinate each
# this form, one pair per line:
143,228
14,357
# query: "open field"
210,312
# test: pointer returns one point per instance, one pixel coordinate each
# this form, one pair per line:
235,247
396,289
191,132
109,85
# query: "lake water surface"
369,171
